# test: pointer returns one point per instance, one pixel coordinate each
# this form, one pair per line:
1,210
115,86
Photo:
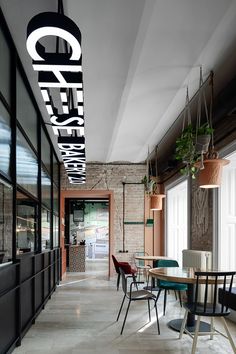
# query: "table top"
151,258
179,275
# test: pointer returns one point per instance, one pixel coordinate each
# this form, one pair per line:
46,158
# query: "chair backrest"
163,263
116,263
140,262
123,281
213,280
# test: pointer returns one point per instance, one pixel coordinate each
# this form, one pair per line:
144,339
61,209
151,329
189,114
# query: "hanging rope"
211,109
187,112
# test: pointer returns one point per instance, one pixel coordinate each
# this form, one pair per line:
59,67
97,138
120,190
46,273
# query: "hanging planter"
210,175
156,201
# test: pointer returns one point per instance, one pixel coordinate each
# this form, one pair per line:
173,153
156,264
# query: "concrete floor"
81,318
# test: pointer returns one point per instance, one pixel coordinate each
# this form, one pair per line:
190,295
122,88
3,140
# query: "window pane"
5,62
5,222
26,224
45,151
55,231
26,114
5,140
45,229
46,189
26,165
227,216
55,170
177,221
55,198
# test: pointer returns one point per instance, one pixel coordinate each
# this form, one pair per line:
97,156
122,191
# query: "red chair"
126,267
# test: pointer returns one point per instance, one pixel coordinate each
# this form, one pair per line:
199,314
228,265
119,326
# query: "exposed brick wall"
109,176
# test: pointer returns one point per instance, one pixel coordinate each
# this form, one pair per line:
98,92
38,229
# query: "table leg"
191,322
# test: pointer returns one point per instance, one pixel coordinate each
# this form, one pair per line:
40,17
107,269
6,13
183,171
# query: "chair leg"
164,309
175,295
134,279
212,327
180,300
158,295
228,334
183,324
158,325
118,281
123,326
196,335
149,313
120,308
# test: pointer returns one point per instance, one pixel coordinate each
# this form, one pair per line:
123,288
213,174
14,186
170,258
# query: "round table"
185,276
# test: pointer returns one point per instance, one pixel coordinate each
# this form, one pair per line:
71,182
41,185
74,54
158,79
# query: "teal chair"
168,285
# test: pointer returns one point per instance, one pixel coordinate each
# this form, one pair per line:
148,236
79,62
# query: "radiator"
202,260
197,259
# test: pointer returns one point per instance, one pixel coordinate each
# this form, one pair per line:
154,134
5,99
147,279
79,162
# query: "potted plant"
210,175
191,145
185,151
203,138
156,199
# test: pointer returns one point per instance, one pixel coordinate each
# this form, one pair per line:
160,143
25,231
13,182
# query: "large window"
177,221
5,222
227,217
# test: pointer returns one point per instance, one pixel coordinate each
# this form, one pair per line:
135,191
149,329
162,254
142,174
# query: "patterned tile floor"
81,318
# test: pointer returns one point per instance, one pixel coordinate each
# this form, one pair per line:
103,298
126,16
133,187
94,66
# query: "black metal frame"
28,281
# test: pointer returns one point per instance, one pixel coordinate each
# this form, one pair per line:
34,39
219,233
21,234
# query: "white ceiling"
138,58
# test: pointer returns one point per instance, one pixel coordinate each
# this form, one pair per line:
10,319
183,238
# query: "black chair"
169,285
210,308
135,295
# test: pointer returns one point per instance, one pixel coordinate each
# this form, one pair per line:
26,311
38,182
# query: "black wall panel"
25,287
26,303
8,321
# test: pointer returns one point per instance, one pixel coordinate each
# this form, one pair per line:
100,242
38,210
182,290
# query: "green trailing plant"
185,150
149,185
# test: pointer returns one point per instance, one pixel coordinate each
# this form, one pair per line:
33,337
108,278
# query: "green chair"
167,285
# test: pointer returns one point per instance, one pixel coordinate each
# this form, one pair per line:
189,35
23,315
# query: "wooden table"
151,258
185,276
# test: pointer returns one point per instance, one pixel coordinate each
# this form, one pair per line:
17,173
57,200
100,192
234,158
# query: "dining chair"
169,285
210,307
135,295
126,268
140,265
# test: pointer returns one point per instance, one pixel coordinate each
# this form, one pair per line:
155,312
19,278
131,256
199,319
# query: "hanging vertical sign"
61,72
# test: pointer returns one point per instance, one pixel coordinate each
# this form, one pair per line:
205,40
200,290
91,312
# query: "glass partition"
26,165
46,188
5,140
26,224
5,222
26,113
45,151
55,231
45,229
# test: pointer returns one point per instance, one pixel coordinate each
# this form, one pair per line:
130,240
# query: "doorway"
87,222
